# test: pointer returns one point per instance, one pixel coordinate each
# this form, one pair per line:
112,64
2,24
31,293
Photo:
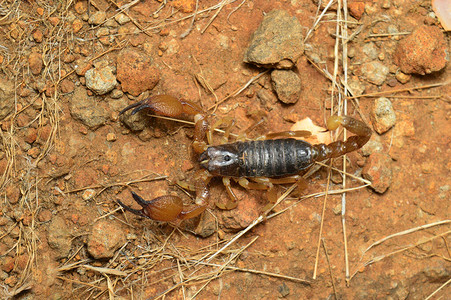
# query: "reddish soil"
58,161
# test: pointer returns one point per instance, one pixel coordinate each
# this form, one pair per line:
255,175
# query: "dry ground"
397,243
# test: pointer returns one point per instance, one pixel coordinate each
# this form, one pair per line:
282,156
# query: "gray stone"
59,237
106,237
370,50
122,19
383,116
375,72
100,80
277,43
87,109
206,226
97,18
373,145
6,97
287,85
357,87
136,122
437,272
379,171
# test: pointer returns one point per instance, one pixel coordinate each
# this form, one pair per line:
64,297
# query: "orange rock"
186,6
356,9
35,63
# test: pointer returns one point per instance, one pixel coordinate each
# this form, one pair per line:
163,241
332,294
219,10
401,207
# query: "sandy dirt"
66,155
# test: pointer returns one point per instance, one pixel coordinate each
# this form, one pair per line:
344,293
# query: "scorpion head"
220,160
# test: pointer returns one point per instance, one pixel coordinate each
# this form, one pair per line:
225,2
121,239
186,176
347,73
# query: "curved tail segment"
362,135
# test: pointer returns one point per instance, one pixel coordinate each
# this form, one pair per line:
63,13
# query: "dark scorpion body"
274,158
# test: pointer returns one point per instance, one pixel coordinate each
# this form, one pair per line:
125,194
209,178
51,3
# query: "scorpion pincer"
255,164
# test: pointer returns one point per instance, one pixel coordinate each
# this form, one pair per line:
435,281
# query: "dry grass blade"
224,266
105,270
320,234
269,274
421,87
254,223
381,257
189,16
3,10
367,182
9,148
330,268
318,19
238,91
408,231
438,290
221,5
71,266
16,291
123,183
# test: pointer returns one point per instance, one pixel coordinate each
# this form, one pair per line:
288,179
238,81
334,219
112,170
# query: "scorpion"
275,158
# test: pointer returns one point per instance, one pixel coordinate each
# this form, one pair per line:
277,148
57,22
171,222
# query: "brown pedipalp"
164,105
166,208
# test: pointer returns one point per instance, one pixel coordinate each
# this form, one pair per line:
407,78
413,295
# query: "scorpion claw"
132,210
140,200
143,106
140,103
165,208
165,105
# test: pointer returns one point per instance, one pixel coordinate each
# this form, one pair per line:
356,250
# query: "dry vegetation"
160,257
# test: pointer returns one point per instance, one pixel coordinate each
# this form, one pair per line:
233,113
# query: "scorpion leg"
233,199
270,184
227,122
286,134
260,183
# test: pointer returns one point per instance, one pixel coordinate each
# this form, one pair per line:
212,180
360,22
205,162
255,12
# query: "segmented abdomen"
273,158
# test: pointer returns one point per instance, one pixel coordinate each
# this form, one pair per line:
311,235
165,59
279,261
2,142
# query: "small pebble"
100,80
35,63
97,18
422,52
88,194
379,171
383,116
122,19
356,9
284,290
44,215
111,137
375,72
402,77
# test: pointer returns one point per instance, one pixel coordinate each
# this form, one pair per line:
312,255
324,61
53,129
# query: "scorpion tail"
362,135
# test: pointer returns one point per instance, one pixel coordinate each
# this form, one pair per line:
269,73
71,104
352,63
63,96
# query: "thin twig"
330,269
437,290
320,234
400,90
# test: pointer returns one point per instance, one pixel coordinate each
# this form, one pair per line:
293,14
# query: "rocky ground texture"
68,68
